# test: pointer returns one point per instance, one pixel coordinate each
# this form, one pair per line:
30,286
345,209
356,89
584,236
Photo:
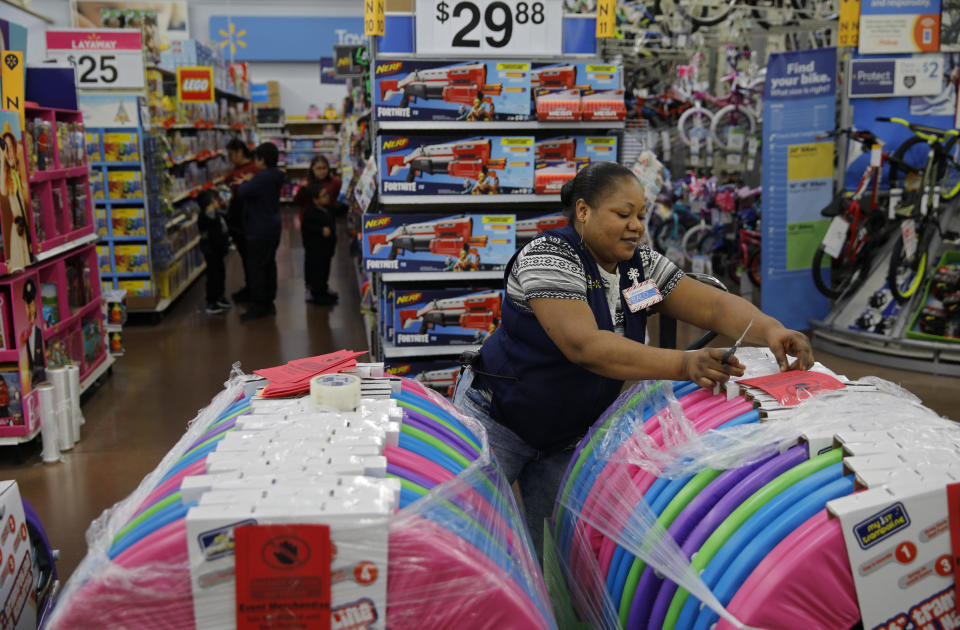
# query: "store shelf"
391,351
117,164
66,247
127,238
306,150
471,200
461,125
204,125
315,136
59,173
97,372
271,125
297,165
194,191
124,275
199,157
318,121
67,322
122,202
180,218
231,95
450,276
165,303
188,247
13,440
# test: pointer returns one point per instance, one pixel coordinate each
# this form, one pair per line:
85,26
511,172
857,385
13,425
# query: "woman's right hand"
706,367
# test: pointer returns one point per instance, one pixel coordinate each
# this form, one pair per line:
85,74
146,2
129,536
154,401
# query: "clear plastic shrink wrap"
675,485
458,554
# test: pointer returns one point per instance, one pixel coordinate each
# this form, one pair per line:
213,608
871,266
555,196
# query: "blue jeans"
539,474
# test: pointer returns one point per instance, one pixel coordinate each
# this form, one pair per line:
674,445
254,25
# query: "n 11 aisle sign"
110,58
490,27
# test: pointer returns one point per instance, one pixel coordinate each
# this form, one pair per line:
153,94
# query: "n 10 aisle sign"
109,58
490,27
195,84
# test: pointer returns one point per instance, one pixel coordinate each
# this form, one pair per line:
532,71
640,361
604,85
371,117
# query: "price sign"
490,27
103,58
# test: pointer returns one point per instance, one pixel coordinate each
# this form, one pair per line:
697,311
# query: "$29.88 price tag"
490,27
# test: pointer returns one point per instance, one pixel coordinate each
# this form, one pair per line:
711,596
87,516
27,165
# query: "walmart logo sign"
283,38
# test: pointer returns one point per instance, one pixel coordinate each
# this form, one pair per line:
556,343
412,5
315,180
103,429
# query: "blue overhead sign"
283,38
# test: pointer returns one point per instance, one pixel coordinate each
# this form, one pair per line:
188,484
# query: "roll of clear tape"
49,430
75,396
340,391
61,385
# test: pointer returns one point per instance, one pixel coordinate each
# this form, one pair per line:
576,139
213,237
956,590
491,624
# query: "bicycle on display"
926,168
855,232
733,246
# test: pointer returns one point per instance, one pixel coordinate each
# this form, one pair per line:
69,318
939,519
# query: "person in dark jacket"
319,229
214,243
241,157
260,195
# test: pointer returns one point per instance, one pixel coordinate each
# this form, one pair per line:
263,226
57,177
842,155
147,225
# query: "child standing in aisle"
320,173
319,229
214,243
260,195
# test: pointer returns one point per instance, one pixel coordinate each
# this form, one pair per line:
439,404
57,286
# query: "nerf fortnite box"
437,243
445,316
471,91
558,159
581,91
529,229
436,165
440,376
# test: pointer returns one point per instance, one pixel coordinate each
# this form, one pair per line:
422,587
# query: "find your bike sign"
195,84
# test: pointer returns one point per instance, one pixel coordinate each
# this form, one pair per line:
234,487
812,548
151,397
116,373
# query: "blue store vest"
537,392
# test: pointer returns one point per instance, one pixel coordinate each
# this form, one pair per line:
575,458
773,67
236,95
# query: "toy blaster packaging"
559,159
131,258
129,221
96,184
93,146
136,288
529,229
445,316
121,147
430,243
440,376
430,165
472,91
125,185
582,91
104,259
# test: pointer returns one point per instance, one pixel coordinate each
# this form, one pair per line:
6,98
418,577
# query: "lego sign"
107,58
490,28
195,84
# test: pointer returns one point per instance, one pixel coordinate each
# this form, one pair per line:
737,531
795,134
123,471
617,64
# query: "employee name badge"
641,295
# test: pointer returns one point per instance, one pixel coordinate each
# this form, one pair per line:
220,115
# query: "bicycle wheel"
670,233
950,180
845,275
824,10
729,118
908,163
694,124
755,268
691,240
699,12
905,273
713,247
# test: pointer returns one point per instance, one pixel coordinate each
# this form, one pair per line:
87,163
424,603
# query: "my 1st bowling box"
441,90
406,242
438,165
17,595
445,316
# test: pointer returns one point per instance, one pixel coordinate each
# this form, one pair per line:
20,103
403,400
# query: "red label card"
793,387
953,514
283,577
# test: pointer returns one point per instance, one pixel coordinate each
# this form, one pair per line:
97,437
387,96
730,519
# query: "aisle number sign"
490,28
606,18
12,80
849,24
195,84
373,17
110,58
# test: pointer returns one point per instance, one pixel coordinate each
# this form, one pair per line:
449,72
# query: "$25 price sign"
490,27
103,58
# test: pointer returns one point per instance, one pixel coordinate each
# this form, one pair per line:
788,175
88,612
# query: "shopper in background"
319,229
573,328
320,173
214,243
241,157
260,196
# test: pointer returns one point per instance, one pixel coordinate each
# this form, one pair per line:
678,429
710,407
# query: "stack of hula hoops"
459,555
678,490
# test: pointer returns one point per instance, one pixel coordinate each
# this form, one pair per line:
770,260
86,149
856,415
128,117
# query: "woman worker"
573,330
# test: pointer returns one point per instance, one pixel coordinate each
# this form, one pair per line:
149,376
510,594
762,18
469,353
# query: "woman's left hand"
783,341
